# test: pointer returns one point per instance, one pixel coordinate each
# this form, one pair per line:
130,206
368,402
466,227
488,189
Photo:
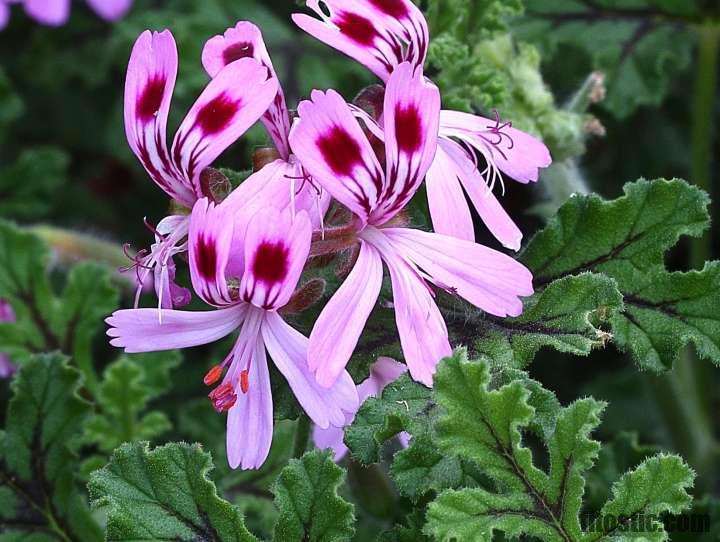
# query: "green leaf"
164,494
310,508
626,239
641,45
38,456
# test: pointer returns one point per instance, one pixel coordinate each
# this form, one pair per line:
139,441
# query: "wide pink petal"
337,330
488,279
332,147
231,103
411,121
150,330
241,41
487,205
48,12
110,10
288,349
276,249
516,153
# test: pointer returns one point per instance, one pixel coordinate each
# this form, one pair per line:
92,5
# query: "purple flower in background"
246,263
6,315
57,12
381,35
384,371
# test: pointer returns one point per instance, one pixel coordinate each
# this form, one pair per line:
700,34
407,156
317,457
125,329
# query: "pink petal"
488,279
149,85
210,241
332,147
276,249
150,330
518,154
4,15
337,330
488,207
331,438
411,121
245,40
379,34
231,103
48,12
250,420
383,372
288,349
110,10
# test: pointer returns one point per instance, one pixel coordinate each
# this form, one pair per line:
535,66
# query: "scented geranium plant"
366,292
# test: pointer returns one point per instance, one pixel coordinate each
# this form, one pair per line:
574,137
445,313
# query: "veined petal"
250,420
379,34
488,207
110,10
242,41
149,85
276,249
288,349
337,330
232,102
209,246
516,153
151,330
488,279
332,147
48,12
411,121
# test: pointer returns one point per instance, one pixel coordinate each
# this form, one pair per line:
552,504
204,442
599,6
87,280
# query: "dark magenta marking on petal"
408,128
357,28
394,8
215,115
270,264
206,258
151,98
236,51
340,150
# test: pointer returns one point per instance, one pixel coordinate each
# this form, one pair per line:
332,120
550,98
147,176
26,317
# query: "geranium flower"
233,101
247,268
383,372
283,182
57,12
334,149
381,34
6,315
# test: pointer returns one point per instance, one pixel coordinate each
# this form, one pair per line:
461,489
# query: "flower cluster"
247,252
57,12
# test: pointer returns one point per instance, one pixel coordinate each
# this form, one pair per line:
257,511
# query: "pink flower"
381,34
334,149
246,263
57,12
282,183
383,372
233,101
6,315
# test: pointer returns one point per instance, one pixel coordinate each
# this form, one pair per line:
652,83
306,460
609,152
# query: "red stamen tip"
244,381
213,375
223,397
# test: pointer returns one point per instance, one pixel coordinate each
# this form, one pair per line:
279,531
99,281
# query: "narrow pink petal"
111,10
149,85
150,330
48,12
337,330
250,420
276,249
288,349
411,121
448,207
383,372
516,153
242,41
4,15
210,241
487,205
332,438
332,147
231,103
488,279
